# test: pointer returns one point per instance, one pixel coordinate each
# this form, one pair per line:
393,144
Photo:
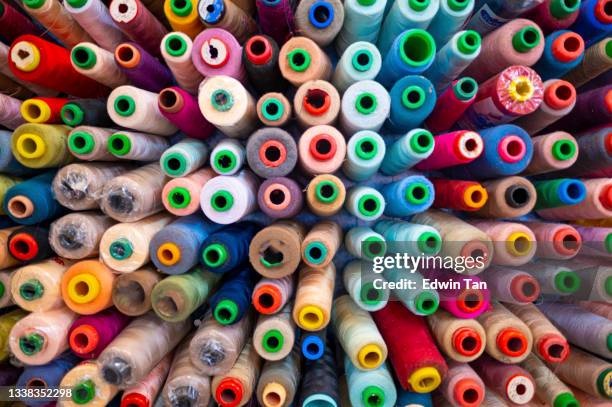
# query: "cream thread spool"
98,64
89,143
150,386
552,152
238,384
360,287
228,198
274,252
313,297
274,335
321,150
316,102
321,244
365,106
278,382
556,240
176,49
549,389
232,18
132,291
301,60
87,386
514,243
461,340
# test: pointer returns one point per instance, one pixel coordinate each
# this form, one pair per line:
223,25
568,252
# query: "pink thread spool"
514,244
597,205
462,386
321,150
511,285
513,382
182,110
90,334
450,149
596,241
181,196
559,100
552,152
553,15
556,240
217,52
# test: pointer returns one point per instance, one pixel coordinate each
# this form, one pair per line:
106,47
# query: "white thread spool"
228,157
228,198
365,106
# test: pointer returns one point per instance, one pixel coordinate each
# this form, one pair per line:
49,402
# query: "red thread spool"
35,60
459,195
417,362
23,247
451,105
13,23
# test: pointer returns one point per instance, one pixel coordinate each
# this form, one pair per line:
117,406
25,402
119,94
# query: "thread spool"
226,249
260,58
89,335
512,286
593,20
176,49
420,301
454,57
183,16
271,152
362,22
10,86
596,61
365,203
141,68
408,398
231,302
548,386
365,154
459,195
553,15
595,206
36,287
184,158
596,240
365,106
228,16
42,110
137,109
467,301
30,244
217,52
137,21
593,104
44,377
321,149
320,21
134,195
270,295
227,157
226,104
6,258
512,382
273,109
6,71
364,243
593,276
553,152
276,19
55,18
184,382
462,386
89,143
315,103
182,109
321,243
563,51
508,338
8,163
280,197
370,388
451,104
449,19
320,382
87,286
509,197
6,299
90,112
228,198
313,344
40,337
554,278
11,117
138,348
301,60
361,288
556,241
594,154
181,196
95,19
461,340
407,196
236,387
43,63
97,64
274,335
325,195
412,100
313,297
411,53
359,62
514,243
15,23
278,383
559,192
146,391
132,291
452,149
406,151
417,362
596,307
125,246
588,373
41,145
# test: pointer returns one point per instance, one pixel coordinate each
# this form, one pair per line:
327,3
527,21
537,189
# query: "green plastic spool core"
31,290
175,164
226,312
563,150
369,205
609,49
373,396
422,142
83,57
417,193
413,97
121,249
567,281
214,255
326,192
31,344
366,103
429,243
561,9
465,88
34,3
271,258
224,161
366,2
417,48
272,109
299,59
222,201
565,400
124,105
458,5
273,341
608,242
81,142
373,246
2,289
362,60
526,39
179,197
175,45
418,5
608,285
369,295
181,7
603,382
468,42
72,114
315,252
84,392
366,148
119,144
426,303
221,100
77,3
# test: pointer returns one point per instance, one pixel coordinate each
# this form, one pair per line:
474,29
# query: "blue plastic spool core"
312,347
214,11
315,252
321,14
572,192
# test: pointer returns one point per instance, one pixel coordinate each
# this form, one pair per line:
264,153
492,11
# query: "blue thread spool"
591,24
406,151
453,58
563,51
408,398
228,248
410,195
412,238
231,303
412,99
449,19
8,163
371,388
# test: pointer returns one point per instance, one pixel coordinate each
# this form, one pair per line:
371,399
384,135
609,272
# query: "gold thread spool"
321,244
236,21
274,251
59,21
132,291
278,382
268,109
497,207
103,69
596,61
244,373
316,102
41,145
313,297
7,322
322,36
6,259
447,329
307,57
585,372
83,376
274,334
189,24
547,386
315,189
358,334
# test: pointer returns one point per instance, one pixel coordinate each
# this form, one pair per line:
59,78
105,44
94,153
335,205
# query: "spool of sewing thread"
90,112
554,278
184,158
229,16
553,15
459,195
406,151
89,143
8,163
134,19
270,295
596,205
138,348
280,197
512,286
321,149
231,302
15,23
514,243
32,201
467,301
449,19
228,198
596,61
176,248
6,299
315,103
453,58
274,335
35,60
301,60
365,203
226,104
419,301
319,384
55,18
41,337
132,291
364,155
228,157
509,339
271,152
319,20
41,145
462,340
97,64
183,16
181,109
451,104
359,62
7,322
594,105
418,364
145,392
10,86
226,249
508,197
564,50
260,58
588,373
409,195
593,22
10,118
321,244
364,243
597,240
278,383
365,106
96,20
411,53
452,149
276,19
556,240
273,251
593,277
273,109
141,68
42,110
313,297
184,383
137,109
89,335
134,195
181,196
462,386
325,195
361,288
87,287
125,246
594,152
174,298
548,386
412,99
5,184
362,22
597,307
236,386
36,287
552,152
45,377
512,382
176,49
30,243
559,192
370,388
217,52
6,259
313,344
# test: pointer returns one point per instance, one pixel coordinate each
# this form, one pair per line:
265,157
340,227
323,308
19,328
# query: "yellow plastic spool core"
35,111
521,89
30,146
168,254
370,356
26,56
469,193
425,380
311,318
83,288
518,244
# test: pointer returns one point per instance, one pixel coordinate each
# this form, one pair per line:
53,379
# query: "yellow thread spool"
425,380
83,288
39,145
7,321
183,16
35,111
30,146
169,254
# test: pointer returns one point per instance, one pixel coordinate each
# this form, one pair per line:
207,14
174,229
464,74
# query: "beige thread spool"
41,145
313,297
135,146
98,64
452,333
228,106
321,150
89,143
37,287
268,111
514,244
596,61
134,195
185,73
316,102
6,259
125,247
322,36
234,19
302,60
274,335
59,21
547,386
520,190
321,244
324,203
587,400
215,348
274,251
132,291
358,335
243,374
86,375
77,235
543,160
6,299
278,382
593,207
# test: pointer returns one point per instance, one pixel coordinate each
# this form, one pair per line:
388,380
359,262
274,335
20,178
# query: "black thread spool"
260,57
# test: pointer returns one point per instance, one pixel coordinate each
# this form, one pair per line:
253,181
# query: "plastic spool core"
366,103
31,146
270,257
176,46
368,205
526,39
222,201
25,56
362,60
121,249
299,59
83,57
321,14
417,193
221,100
323,147
417,48
125,105
413,97
272,109
181,7
326,191
81,142
34,110
277,197
259,50
366,148
179,197
214,255
316,101
169,99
